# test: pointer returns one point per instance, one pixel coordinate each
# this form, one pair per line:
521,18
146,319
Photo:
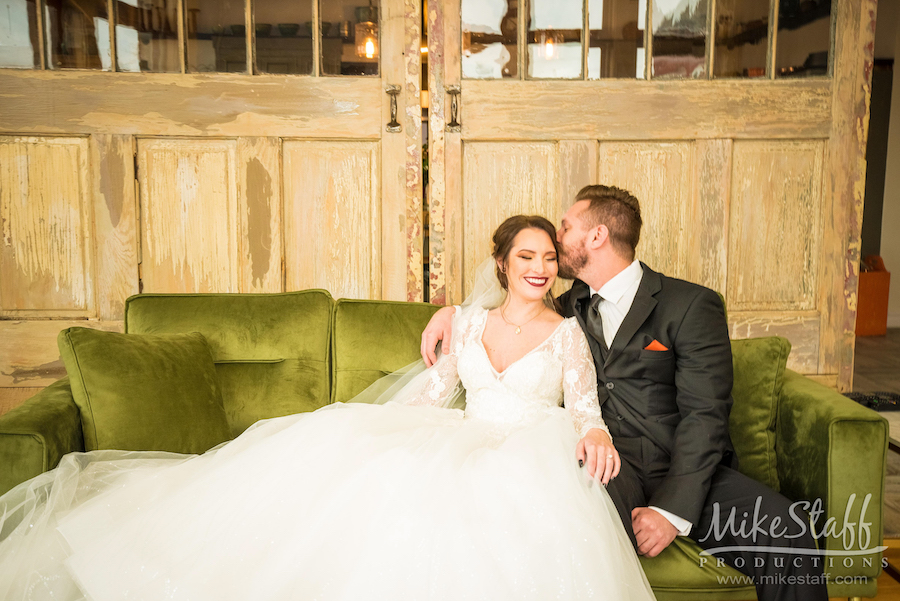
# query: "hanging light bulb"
366,31
548,47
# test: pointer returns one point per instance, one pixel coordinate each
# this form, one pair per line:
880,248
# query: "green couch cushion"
144,392
373,339
759,365
680,573
271,350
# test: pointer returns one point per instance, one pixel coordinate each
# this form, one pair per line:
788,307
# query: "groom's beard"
571,262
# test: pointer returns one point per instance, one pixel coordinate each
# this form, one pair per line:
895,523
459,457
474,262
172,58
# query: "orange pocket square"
656,345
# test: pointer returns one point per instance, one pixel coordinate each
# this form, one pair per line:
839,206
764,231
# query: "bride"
409,499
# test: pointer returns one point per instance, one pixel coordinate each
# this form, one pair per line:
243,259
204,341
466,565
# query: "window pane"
216,36
742,38
78,32
617,38
679,39
489,38
18,35
284,36
804,38
554,39
350,37
147,36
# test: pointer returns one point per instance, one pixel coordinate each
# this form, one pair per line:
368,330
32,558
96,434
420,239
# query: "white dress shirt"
618,296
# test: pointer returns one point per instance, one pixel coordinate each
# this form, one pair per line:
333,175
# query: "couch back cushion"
271,351
144,392
373,339
759,365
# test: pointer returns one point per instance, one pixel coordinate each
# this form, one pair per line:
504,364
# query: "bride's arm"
595,449
442,378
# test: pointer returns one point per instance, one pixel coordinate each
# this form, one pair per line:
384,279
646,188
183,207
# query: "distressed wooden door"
209,170
741,138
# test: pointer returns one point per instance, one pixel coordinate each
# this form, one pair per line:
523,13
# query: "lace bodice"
560,370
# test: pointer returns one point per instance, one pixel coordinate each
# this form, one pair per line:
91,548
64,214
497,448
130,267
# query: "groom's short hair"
618,210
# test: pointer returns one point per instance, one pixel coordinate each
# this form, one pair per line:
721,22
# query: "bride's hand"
437,330
599,455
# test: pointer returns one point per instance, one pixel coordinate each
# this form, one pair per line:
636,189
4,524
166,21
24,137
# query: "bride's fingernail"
581,463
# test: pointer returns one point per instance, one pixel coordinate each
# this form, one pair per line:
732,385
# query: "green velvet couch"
277,354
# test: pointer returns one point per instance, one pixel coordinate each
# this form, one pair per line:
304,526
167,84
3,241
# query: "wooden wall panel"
503,179
260,207
190,237
800,328
115,223
707,233
331,218
775,225
622,109
29,355
660,175
45,223
207,104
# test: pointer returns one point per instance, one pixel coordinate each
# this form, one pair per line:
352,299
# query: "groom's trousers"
777,576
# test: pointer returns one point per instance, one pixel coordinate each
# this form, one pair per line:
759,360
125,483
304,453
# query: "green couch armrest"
832,449
35,435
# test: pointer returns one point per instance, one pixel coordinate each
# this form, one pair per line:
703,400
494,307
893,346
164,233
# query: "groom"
664,374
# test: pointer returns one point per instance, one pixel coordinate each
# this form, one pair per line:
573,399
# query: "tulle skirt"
352,501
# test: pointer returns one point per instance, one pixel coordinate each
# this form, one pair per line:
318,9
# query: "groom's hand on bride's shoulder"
652,531
437,330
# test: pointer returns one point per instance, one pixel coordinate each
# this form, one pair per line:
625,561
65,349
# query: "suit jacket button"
610,385
620,417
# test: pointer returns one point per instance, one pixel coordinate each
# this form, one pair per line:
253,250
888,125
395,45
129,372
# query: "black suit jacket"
677,399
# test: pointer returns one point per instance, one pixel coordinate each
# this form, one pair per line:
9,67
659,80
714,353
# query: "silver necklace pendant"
518,329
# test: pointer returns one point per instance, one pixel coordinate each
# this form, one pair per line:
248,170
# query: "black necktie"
594,323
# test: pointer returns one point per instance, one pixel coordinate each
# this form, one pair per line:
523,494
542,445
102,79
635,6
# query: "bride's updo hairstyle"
505,235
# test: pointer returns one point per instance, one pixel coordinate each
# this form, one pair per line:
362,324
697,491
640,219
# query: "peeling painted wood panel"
10,398
170,104
445,226
45,222
115,223
660,175
190,236
501,179
401,155
844,187
829,380
28,352
621,109
578,163
775,225
708,230
800,328
331,217
260,207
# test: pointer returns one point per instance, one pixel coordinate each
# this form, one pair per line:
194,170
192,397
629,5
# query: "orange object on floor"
872,307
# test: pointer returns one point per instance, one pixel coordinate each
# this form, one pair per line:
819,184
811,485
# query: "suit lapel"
641,308
579,294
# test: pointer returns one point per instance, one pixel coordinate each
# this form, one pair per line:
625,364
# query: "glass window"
742,38
350,37
804,38
679,39
490,39
616,38
216,36
78,34
284,36
147,36
554,39
19,45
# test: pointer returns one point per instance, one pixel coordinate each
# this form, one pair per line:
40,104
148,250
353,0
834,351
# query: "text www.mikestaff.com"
782,579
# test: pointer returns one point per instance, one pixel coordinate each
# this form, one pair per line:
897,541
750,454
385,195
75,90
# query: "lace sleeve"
580,380
442,378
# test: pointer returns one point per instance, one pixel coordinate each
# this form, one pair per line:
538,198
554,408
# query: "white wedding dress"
353,501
